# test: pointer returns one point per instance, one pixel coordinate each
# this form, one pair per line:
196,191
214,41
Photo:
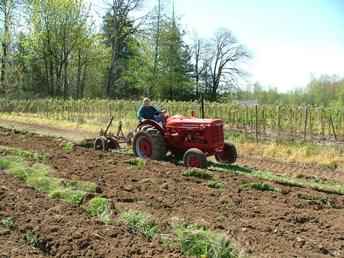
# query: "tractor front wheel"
228,155
195,158
149,144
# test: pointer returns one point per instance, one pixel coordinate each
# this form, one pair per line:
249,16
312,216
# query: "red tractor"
192,139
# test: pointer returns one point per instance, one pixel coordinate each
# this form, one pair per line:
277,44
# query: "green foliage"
8,223
80,185
68,147
74,197
319,185
4,164
19,170
198,242
259,186
139,163
199,173
38,176
100,207
97,205
139,222
31,238
43,183
216,184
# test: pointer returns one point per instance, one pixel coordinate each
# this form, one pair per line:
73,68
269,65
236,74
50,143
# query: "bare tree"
224,62
7,8
200,48
157,40
121,28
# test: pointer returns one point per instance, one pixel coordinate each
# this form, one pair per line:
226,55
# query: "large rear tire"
195,158
229,154
149,144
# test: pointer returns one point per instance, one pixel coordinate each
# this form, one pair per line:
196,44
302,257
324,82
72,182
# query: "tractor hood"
190,122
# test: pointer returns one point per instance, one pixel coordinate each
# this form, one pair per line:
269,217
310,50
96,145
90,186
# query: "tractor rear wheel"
229,154
149,144
101,144
195,158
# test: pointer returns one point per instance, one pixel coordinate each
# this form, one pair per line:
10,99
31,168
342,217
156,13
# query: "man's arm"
156,110
139,113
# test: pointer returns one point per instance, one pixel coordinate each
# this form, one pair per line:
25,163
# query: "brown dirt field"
291,169
263,224
63,230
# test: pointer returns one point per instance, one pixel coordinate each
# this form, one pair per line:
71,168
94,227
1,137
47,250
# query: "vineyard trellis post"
306,123
278,122
202,107
333,128
257,123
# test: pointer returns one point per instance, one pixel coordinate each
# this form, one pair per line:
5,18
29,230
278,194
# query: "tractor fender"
150,123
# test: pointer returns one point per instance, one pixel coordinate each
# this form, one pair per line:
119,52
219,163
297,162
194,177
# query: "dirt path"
73,135
295,222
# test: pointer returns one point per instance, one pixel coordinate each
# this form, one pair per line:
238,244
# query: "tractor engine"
185,133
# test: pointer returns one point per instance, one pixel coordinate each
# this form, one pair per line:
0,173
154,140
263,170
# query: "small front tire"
229,154
195,158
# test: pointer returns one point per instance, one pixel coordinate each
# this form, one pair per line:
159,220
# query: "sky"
289,40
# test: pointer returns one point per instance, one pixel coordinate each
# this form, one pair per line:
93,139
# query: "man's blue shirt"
147,112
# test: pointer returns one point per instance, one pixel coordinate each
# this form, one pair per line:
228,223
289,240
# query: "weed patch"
68,147
216,184
38,177
80,185
100,207
198,173
31,238
196,241
70,196
139,163
316,184
259,187
139,222
4,164
8,223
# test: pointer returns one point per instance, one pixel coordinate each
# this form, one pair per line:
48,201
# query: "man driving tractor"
148,111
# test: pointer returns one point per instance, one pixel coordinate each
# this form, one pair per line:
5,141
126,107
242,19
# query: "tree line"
58,48
322,91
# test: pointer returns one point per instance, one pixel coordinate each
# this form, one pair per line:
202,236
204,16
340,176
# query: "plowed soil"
295,222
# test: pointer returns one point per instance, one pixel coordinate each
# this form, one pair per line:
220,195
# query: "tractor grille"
217,136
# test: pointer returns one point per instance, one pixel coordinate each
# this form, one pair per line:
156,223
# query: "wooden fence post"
333,128
278,122
306,122
257,124
202,107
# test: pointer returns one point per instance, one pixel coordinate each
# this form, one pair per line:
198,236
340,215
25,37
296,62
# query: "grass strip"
195,241
38,177
315,184
140,222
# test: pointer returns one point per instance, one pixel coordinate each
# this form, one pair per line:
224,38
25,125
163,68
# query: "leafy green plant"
8,223
196,241
80,185
43,183
4,164
139,222
74,197
199,173
216,184
100,207
139,163
31,238
259,186
68,147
